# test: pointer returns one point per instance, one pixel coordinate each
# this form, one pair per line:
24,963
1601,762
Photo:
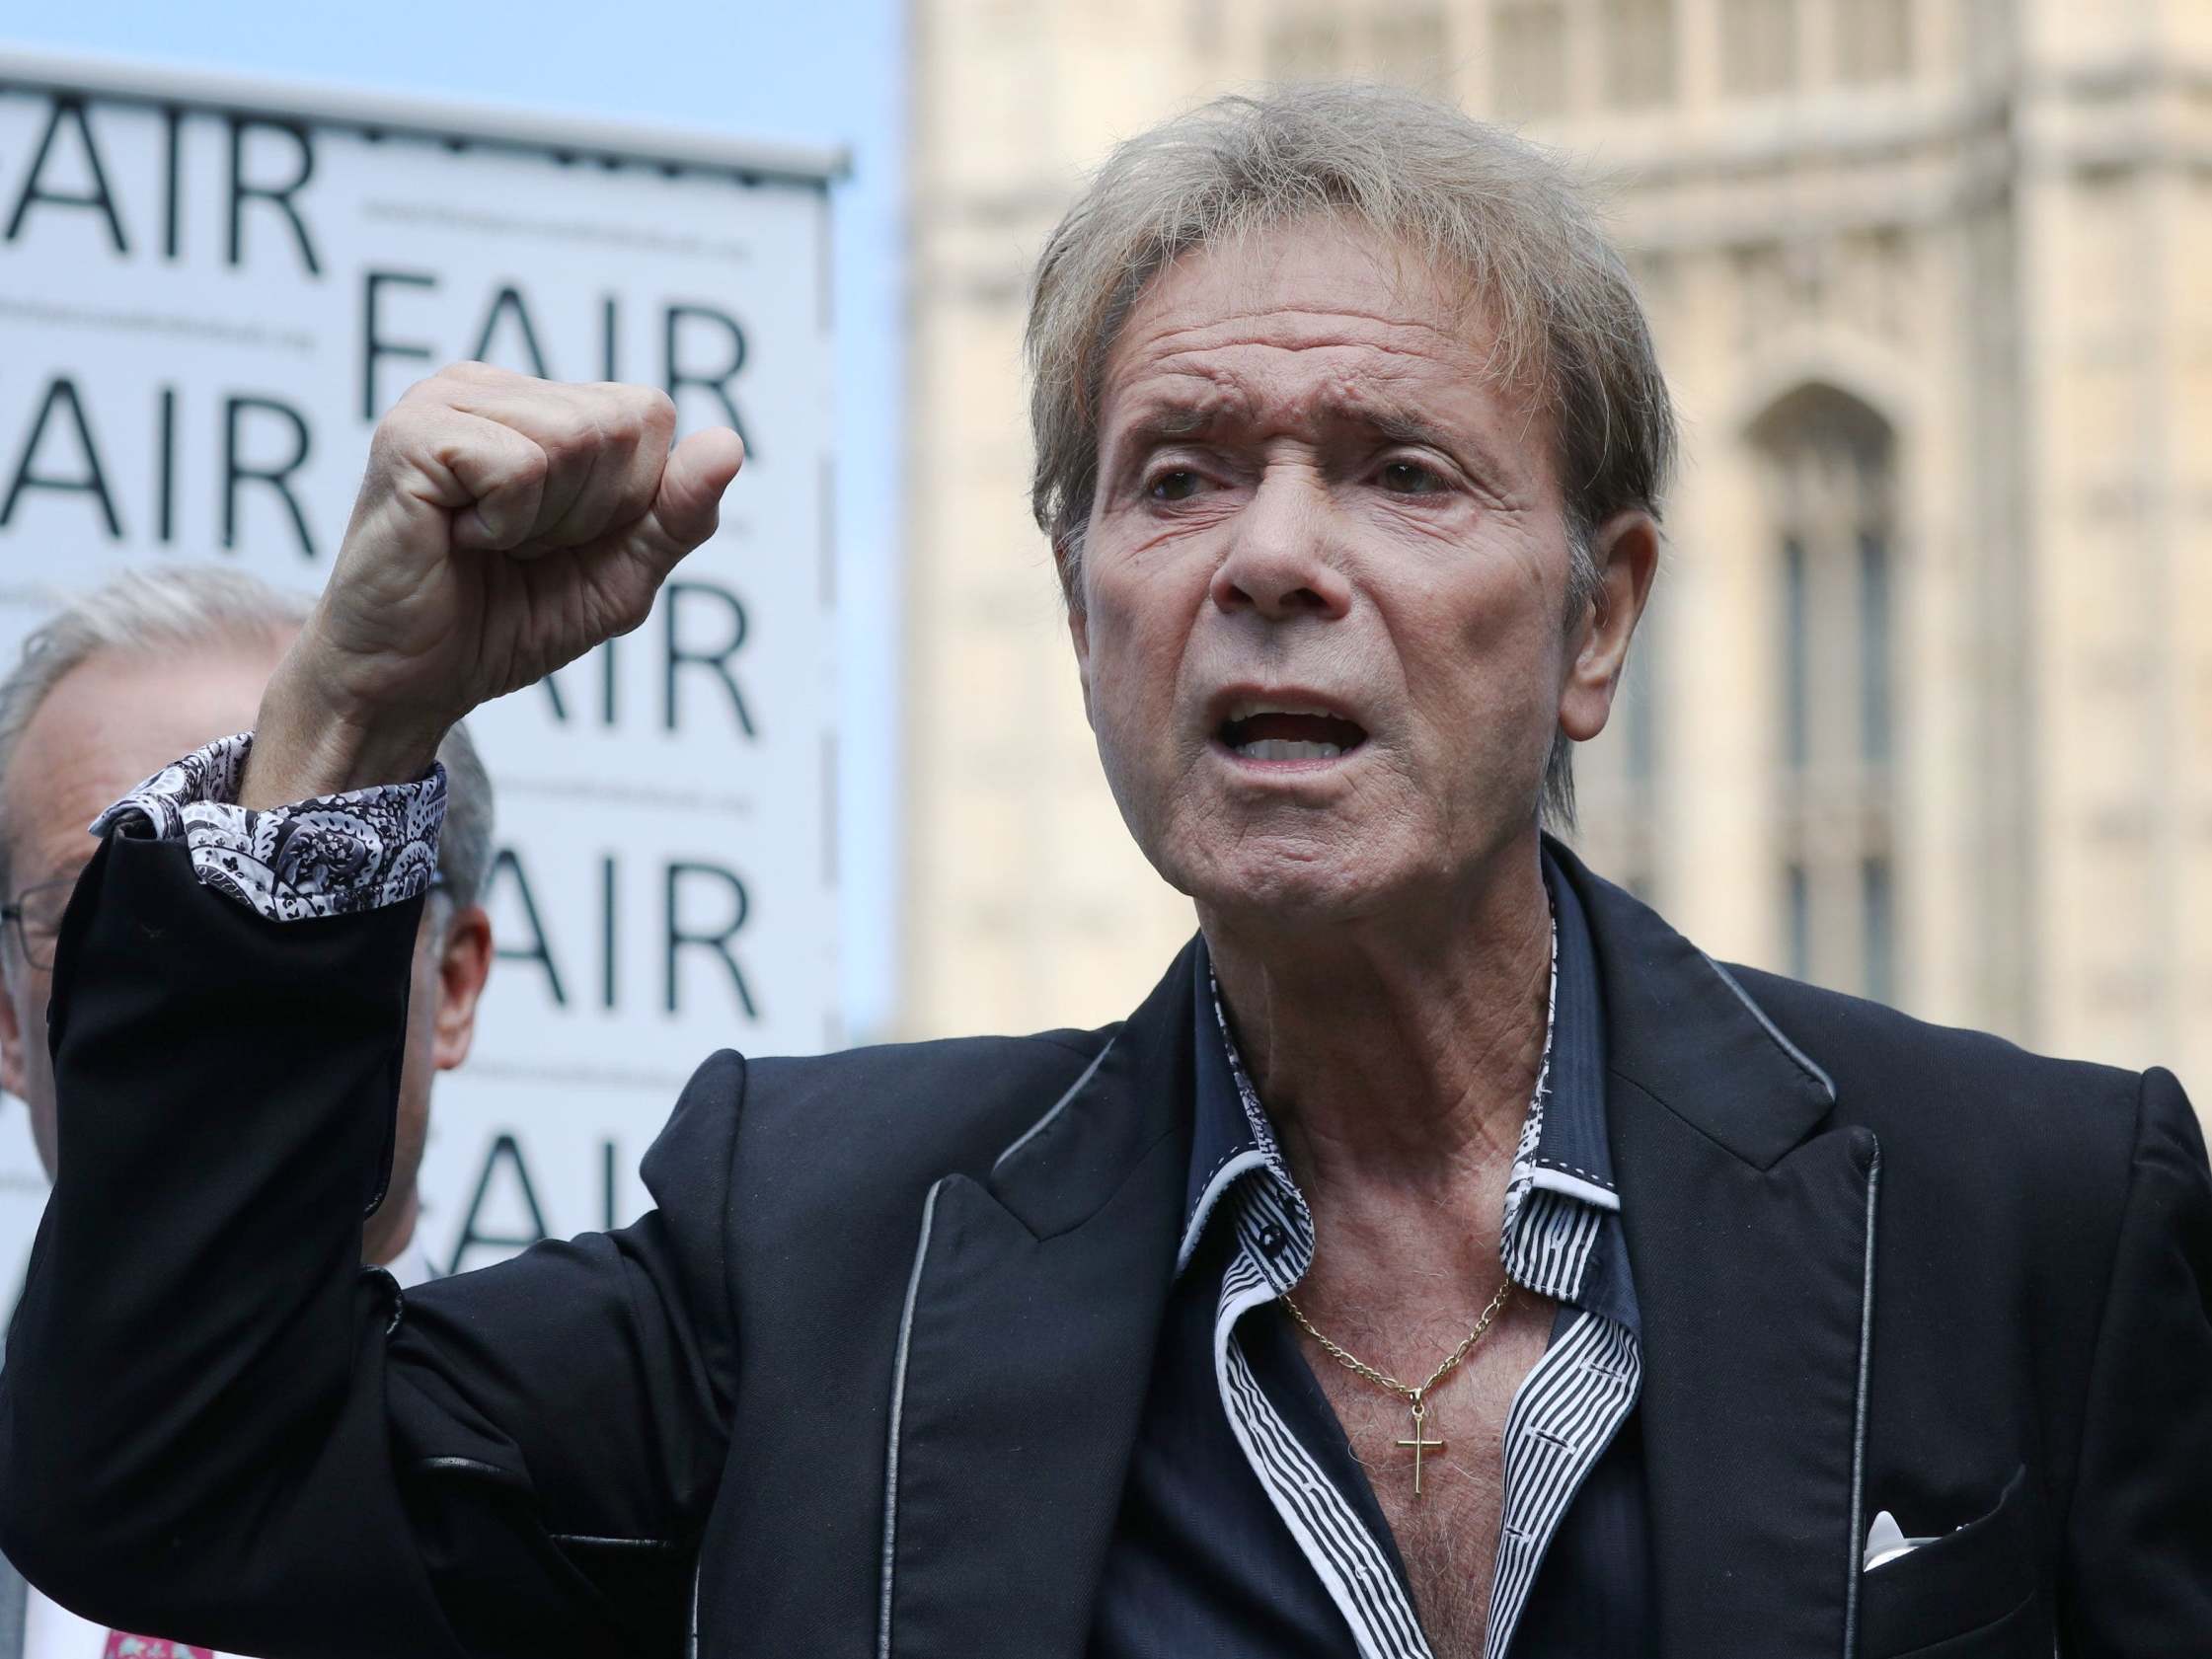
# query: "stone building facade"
1922,707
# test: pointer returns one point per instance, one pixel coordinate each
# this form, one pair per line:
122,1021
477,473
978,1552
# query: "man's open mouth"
1260,733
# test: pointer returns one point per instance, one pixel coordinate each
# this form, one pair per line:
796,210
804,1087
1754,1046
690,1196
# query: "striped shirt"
1193,1567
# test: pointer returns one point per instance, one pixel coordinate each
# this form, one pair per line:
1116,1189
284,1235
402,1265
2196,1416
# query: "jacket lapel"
1036,1295
1026,1348
1750,1225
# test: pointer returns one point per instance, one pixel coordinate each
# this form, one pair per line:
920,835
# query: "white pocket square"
1886,1540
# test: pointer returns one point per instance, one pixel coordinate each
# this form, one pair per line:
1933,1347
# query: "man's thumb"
689,505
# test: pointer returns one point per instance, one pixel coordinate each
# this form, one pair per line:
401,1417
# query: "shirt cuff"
331,856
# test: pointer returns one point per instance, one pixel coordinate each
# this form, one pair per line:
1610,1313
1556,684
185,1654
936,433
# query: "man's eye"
1411,478
1178,485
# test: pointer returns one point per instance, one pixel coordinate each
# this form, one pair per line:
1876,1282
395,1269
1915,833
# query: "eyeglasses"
35,914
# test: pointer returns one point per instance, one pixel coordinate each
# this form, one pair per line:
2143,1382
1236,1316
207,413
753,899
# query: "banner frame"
493,125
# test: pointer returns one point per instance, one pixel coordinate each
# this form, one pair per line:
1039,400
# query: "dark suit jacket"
867,1379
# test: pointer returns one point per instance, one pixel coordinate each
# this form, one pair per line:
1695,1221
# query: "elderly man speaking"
1447,1258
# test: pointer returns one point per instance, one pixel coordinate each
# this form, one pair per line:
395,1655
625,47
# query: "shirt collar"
1570,1155
1563,1173
1560,1236
1232,1135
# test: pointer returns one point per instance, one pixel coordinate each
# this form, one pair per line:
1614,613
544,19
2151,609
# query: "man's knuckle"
529,467
635,413
404,433
385,440
561,436
451,384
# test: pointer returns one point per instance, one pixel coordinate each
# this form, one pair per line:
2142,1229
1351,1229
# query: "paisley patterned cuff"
330,856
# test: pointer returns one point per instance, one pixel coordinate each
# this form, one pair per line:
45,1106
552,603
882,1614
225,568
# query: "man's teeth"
1284,748
1247,710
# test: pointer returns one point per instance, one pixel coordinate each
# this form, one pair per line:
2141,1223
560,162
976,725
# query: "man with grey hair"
117,684
112,687
1447,1258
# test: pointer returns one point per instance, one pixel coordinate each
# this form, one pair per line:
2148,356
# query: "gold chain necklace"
1419,1443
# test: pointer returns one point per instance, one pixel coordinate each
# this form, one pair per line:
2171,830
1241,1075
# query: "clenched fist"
504,527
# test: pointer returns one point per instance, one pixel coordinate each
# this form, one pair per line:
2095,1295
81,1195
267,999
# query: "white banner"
208,293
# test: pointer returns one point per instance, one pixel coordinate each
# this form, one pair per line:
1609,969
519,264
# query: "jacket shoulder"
955,1078
871,1128
1851,1036
1982,1113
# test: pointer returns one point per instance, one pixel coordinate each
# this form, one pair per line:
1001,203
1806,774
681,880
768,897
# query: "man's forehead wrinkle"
1416,364
1371,397
1163,319
1203,388
1296,329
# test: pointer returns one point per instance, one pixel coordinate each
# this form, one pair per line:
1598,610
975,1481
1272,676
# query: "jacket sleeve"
2136,1570
216,1426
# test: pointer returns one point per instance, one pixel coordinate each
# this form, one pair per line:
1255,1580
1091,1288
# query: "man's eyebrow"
1404,425
1167,422
1410,427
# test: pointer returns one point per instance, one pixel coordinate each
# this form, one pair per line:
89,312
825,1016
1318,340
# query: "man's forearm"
192,1375
308,742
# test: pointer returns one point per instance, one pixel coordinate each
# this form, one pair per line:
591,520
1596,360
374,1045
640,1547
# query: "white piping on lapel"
898,1406
906,1336
691,1648
1805,1062
1854,1549
1074,1088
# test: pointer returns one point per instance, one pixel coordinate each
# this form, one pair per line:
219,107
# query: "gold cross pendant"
1419,1443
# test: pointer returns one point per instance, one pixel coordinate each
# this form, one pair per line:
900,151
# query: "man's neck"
1398,1057
388,1232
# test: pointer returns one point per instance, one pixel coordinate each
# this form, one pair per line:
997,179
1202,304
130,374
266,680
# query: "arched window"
1829,471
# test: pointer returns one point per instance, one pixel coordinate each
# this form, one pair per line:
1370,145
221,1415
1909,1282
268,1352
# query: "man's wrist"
308,743
317,856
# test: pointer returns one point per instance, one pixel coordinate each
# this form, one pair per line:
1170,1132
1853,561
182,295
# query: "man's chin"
1252,891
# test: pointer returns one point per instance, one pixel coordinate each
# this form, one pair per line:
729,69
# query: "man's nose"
1278,564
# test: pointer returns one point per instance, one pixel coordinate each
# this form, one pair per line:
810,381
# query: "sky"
830,72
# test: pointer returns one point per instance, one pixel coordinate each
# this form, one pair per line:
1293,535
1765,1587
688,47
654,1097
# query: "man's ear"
464,964
1626,551
1079,625
11,1028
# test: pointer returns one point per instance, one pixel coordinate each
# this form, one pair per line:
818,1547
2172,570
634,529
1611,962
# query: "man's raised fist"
504,527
